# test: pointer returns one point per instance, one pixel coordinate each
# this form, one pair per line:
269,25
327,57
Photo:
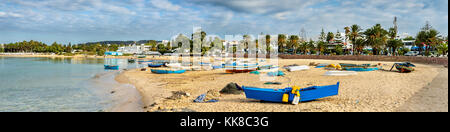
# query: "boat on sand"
157,71
276,95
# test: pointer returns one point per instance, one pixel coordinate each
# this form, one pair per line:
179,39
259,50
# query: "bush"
127,54
68,54
403,51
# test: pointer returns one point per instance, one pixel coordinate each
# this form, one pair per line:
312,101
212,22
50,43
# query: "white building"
134,49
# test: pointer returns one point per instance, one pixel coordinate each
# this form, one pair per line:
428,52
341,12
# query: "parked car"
412,53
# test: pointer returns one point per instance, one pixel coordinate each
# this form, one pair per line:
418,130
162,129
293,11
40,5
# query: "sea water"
58,84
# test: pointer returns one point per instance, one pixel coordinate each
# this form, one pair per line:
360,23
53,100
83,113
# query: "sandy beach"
376,91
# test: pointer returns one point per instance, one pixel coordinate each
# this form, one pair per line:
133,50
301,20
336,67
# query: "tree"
322,36
281,42
293,42
409,38
268,44
355,32
338,37
347,33
330,37
321,46
358,45
427,37
376,37
310,46
394,45
443,48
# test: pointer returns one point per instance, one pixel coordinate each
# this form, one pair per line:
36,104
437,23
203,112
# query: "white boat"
340,73
297,68
174,65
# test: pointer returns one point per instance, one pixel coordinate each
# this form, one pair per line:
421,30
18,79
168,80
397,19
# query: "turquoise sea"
58,84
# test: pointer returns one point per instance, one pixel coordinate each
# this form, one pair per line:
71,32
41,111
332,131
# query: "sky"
80,21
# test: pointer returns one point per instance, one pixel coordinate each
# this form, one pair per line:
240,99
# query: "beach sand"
376,91
431,98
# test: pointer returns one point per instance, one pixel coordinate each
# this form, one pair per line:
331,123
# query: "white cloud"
165,4
10,14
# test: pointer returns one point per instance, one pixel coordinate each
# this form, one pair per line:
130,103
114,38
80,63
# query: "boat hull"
360,69
306,94
111,67
168,71
239,70
155,65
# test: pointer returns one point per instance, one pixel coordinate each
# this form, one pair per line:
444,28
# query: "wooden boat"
405,67
354,65
155,64
297,68
360,69
240,69
111,67
131,60
276,95
168,71
144,61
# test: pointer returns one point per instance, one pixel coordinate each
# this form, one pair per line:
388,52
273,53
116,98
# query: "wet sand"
378,91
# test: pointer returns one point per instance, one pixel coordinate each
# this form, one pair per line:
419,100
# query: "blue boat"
111,67
276,95
156,65
360,69
144,61
168,71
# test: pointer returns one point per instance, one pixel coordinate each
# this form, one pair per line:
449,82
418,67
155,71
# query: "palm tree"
268,44
281,42
359,45
293,42
376,37
428,37
355,32
310,46
393,45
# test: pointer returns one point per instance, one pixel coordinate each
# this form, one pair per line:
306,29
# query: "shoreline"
150,91
385,94
387,91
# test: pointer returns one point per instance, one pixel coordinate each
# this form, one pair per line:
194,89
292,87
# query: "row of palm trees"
381,41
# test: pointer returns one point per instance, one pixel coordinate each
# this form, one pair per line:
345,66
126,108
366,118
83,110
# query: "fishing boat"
131,60
174,65
360,69
111,67
168,71
240,67
155,64
276,95
405,67
354,65
142,56
297,68
142,61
